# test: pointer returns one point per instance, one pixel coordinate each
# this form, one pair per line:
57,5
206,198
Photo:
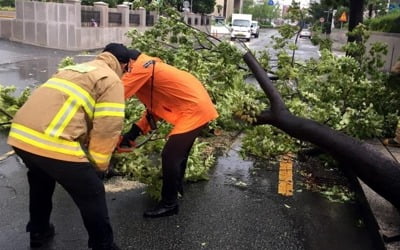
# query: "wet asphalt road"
215,214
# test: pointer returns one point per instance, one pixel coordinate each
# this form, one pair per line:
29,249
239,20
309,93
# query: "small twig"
5,123
207,35
297,36
6,155
5,112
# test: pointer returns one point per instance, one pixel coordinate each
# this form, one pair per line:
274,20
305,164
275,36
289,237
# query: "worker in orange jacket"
66,132
177,97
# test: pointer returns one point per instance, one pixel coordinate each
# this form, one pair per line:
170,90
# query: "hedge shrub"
388,23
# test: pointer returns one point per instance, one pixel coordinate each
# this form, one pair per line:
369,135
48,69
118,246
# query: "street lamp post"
327,19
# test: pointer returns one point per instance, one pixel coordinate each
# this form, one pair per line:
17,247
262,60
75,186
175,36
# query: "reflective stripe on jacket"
80,105
178,97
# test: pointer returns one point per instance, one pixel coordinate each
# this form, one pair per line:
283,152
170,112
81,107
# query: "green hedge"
388,23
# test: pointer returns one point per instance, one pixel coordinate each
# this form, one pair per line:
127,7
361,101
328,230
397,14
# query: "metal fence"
134,19
114,19
149,20
88,17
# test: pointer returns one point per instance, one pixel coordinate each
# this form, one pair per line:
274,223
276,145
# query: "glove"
111,172
127,141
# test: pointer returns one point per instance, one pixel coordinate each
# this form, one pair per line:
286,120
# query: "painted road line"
285,184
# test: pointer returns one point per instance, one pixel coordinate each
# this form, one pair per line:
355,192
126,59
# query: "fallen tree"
379,172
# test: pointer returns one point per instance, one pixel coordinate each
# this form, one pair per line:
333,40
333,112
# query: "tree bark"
379,172
355,17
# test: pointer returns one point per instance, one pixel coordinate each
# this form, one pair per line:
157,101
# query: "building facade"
228,8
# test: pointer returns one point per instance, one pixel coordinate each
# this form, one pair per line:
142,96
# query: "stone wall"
60,26
393,42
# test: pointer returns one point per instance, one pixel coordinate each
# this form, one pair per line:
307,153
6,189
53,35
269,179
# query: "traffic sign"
321,20
270,2
343,17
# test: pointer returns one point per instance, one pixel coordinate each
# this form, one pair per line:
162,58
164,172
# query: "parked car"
255,29
305,33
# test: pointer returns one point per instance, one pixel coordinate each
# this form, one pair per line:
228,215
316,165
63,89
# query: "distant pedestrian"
93,23
65,133
395,142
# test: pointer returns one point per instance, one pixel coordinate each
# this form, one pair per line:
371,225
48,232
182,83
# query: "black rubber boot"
39,239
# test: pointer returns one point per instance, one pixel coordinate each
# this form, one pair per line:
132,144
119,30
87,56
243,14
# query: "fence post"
142,13
124,10
77,12
103,8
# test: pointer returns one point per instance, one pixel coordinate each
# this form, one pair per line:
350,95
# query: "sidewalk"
384,216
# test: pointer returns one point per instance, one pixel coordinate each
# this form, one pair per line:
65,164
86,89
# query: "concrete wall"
5,28
59,25
51,25
393,42
7,14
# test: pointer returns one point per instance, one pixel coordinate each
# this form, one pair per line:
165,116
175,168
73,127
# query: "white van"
241,26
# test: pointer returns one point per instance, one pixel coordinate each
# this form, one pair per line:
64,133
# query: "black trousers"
174,159
83,185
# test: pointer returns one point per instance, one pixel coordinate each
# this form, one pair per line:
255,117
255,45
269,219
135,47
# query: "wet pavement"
238,208
215,214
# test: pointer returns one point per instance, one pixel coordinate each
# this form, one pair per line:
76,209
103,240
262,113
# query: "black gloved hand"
130,136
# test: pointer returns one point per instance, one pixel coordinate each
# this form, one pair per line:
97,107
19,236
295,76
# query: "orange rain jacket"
80,105
177,96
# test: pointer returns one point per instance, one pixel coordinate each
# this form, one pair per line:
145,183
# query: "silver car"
255,29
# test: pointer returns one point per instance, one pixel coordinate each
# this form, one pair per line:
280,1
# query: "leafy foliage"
218,66
387,23
346,93
203,6
263,13
10,103
350,94
66,62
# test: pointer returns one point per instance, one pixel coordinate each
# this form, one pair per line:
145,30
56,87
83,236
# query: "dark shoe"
391,142
112,247
42,238
162,210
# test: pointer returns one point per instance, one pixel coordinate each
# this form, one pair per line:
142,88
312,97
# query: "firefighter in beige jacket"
66,132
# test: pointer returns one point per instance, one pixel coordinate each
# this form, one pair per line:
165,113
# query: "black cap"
133,54
119,51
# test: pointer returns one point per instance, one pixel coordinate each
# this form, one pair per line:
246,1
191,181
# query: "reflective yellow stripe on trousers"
44,141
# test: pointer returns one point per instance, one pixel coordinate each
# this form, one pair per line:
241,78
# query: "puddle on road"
33,72
233,170
26,73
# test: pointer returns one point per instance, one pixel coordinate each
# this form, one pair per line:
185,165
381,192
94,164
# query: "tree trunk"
379,172
370,9
355,16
